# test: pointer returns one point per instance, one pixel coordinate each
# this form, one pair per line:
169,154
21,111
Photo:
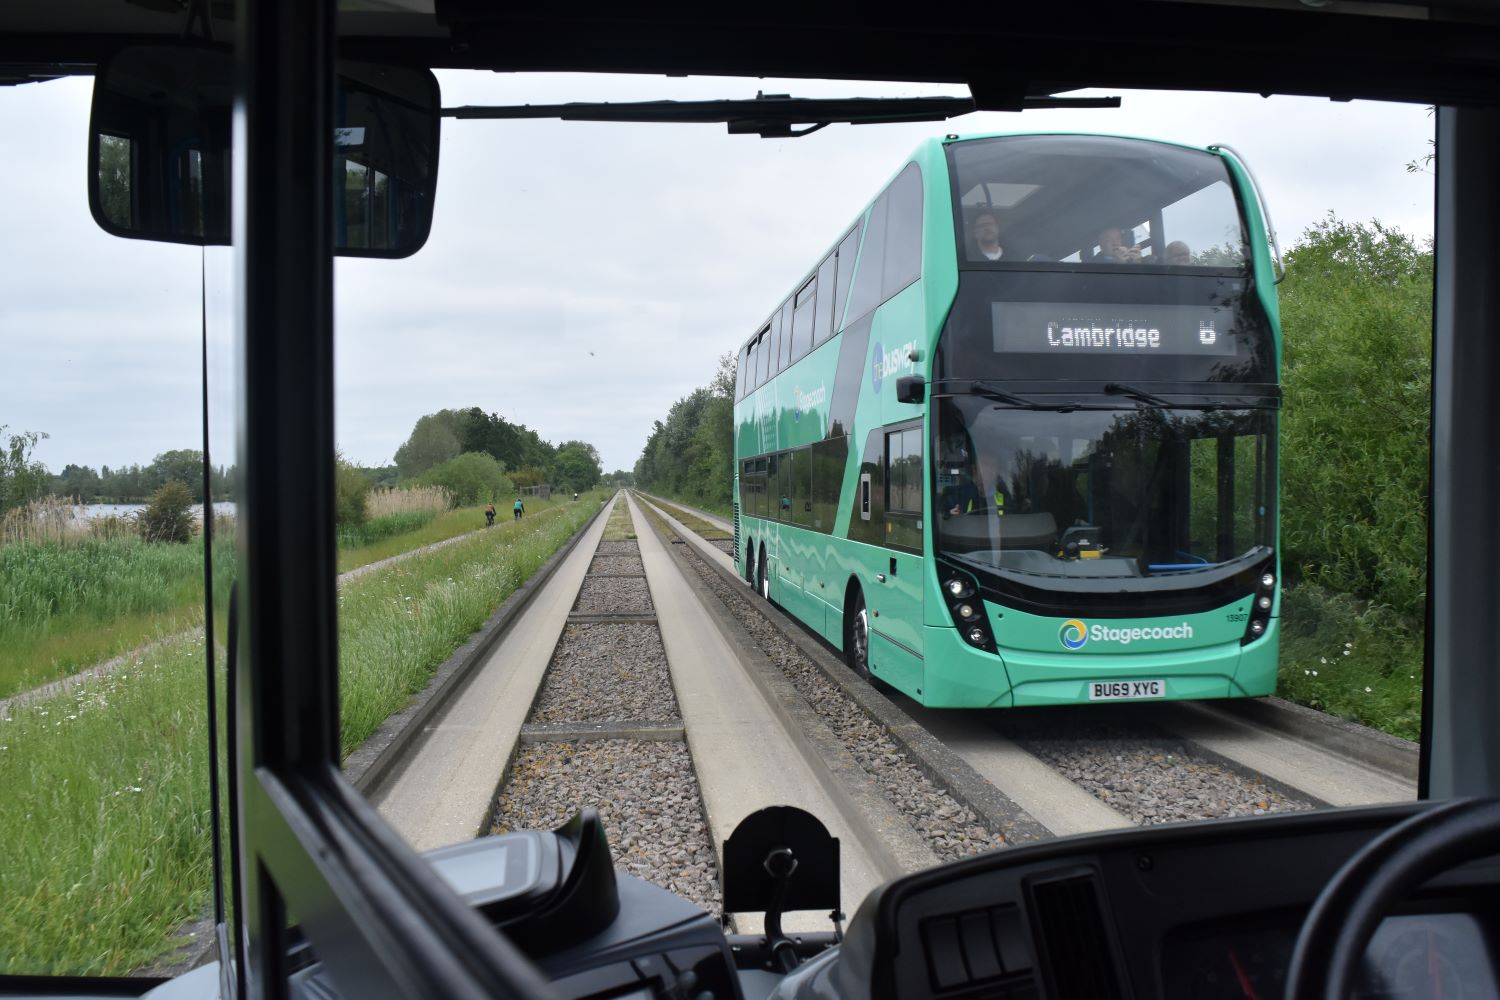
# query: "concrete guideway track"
745,759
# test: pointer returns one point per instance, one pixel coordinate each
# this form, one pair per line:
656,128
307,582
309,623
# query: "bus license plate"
1126,690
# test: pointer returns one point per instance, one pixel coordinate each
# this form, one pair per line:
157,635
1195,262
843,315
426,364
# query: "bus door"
896,639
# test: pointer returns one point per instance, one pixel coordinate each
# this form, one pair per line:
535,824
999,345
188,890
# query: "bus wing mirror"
911,389
160,151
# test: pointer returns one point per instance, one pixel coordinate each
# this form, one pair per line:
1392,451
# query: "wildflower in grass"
1315,673
1322,659
1367,690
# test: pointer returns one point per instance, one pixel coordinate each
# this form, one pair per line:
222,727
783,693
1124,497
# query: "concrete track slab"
1301,765
443,793
744,761
1063,807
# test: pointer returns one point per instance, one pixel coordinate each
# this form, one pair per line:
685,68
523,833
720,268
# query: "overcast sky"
579,277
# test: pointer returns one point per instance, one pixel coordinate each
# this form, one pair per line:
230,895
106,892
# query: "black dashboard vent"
1074,939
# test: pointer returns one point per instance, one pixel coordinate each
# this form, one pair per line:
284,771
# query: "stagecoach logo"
1075,633
806,400
897,362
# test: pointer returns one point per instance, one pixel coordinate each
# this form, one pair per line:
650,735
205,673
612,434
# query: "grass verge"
1345,657
695,524
439,529
619,527
104,790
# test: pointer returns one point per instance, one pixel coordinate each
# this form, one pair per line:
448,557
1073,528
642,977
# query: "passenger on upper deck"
1179,254
1112,248
985,232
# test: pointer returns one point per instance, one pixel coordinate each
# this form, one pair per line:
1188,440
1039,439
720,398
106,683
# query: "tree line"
482,456
1356,314
690,455
23,478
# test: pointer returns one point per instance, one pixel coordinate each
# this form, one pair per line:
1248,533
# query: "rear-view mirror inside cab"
160,151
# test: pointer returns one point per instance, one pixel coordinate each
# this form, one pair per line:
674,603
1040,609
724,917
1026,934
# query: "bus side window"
763,356
865,295
802,319
823,320
903,233
739,374
786,334
848,250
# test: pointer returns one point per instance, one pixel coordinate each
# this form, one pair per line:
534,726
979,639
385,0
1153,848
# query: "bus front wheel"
750,564
857,636
762,578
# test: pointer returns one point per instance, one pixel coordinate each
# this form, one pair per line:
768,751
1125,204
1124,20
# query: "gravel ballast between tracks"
613,595
646,794
607,671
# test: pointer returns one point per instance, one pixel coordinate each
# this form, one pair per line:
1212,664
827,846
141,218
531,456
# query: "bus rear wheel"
762,578
857,636
750,563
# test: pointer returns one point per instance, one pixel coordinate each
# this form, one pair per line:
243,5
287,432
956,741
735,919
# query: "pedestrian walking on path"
518,509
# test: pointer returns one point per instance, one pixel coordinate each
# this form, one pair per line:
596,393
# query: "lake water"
90,512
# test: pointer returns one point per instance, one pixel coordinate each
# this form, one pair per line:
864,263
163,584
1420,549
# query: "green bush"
351,488
168,516
1356,311
471,478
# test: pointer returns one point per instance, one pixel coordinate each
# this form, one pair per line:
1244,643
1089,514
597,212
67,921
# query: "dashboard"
1190,912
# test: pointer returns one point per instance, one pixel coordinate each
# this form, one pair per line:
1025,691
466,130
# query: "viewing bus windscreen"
1104,494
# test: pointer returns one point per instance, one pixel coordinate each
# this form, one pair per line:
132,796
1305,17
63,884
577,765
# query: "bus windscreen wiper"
990,390
1140,395
1150,399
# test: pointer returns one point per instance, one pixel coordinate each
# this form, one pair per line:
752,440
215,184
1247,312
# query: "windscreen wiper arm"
990,390
1139,395
774,116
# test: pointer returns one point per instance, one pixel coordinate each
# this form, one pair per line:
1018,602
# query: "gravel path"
647,795
1149,776
618,547
613,596
950,828
617,565
607,672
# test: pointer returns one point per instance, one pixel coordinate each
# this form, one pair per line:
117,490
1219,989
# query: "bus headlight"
1268,580
1257,627
966,609
1264,602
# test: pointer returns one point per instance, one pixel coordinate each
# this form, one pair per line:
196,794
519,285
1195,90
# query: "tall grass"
407,500
104,817
103,791
53,520
1350,658
64,607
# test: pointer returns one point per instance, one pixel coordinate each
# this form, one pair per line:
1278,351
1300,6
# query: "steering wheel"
1341,922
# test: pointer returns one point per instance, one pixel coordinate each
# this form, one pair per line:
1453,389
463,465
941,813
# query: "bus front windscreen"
1103,494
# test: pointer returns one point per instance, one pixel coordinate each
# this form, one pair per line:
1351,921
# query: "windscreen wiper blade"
990,390
1139,395
773,116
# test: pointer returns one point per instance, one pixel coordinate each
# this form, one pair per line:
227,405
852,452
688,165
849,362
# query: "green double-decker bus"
1013,440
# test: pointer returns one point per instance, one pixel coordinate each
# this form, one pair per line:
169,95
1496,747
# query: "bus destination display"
1103,328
